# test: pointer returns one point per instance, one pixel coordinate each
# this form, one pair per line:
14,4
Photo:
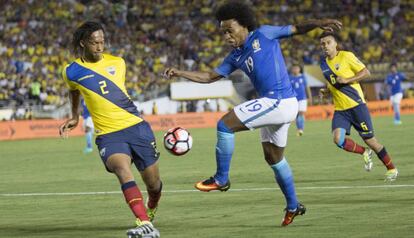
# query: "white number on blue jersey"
249,64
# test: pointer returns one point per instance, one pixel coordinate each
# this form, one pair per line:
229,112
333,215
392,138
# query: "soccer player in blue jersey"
394,80
299,83
87,127
343,71
256,51
123,137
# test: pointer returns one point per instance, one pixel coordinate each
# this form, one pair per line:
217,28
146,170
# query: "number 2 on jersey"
103,87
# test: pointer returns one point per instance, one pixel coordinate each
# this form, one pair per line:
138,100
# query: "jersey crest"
256,45
111,70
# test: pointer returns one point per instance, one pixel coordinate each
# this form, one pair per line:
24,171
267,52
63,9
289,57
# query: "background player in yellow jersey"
123,136
343,71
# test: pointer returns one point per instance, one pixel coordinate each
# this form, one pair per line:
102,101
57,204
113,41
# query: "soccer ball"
178,141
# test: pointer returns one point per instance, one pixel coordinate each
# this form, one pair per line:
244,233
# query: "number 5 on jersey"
103,87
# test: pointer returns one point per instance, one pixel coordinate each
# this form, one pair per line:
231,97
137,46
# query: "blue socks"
284,178
224,152
300,122
89,137
396,108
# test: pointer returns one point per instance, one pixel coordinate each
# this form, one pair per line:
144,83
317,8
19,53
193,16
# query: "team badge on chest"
256,45
111,70
337,66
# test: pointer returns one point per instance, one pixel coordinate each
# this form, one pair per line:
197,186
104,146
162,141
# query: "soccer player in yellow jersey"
123,137
343,71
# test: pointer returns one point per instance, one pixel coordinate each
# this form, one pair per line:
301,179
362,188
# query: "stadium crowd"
35,36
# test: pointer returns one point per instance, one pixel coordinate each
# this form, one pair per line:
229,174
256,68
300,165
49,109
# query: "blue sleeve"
276,32
305,81
226,67
402,75
387,79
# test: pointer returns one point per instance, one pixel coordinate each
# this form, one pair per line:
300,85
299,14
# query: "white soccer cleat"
368,159
144,230
391,175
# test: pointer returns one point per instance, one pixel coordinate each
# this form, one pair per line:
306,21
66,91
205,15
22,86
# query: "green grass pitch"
49,188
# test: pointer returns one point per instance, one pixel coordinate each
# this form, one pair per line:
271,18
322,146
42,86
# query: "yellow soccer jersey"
345,64
102,85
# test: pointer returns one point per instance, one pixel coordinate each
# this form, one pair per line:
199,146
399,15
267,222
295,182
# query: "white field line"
231,190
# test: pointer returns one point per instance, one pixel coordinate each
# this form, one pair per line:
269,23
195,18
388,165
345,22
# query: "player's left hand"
68,126
342,80
170,73
330,25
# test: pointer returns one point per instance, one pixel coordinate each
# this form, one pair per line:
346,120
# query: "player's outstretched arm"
71,123
324,24
195,76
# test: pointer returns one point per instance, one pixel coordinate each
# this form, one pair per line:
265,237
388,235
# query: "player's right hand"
170,72
69,125
323,92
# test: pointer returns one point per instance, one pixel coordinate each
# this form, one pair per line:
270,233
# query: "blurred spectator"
152,34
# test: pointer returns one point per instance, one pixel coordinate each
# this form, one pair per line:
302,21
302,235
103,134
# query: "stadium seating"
35,39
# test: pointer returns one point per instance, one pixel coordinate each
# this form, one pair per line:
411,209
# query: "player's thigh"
143,146
275,134
303,105
396,98
107,150
120,164
361,121
231,120
341,120
263,112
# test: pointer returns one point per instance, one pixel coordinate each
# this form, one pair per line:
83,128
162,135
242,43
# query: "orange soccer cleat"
210,185
290,215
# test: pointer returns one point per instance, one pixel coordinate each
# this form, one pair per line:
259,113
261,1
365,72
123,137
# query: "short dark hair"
239,11
393,64
84,32
330,33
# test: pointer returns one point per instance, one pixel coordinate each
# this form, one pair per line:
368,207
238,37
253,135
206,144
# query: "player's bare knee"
123,173
154,187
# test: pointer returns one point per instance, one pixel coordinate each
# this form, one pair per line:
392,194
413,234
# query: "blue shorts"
137,141
358,117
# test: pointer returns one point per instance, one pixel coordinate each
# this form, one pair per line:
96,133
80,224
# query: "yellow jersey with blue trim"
102,85
345,64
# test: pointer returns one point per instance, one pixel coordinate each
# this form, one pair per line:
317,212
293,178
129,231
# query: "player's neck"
331,56
90,59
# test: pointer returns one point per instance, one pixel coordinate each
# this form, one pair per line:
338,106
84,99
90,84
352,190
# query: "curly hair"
83,33
239,11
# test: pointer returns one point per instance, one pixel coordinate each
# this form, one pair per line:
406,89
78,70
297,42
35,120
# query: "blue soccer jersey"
261,59
299,85
394,82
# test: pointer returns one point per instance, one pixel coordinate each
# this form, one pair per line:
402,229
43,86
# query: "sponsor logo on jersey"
102,151
86,77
